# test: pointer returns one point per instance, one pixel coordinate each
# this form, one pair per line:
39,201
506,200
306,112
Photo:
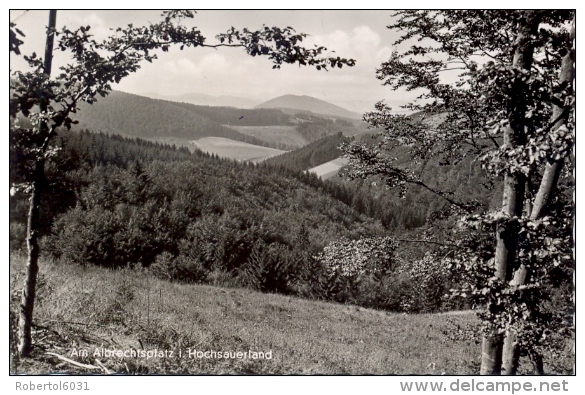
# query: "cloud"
360,44
98,26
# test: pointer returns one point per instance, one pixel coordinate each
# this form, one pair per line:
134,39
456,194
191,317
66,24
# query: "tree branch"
441,194
72,362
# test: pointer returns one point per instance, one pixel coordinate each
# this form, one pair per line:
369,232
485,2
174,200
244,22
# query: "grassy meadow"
232,149
277,135
89,308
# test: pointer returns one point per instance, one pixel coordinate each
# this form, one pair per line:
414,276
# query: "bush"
85,238
352,258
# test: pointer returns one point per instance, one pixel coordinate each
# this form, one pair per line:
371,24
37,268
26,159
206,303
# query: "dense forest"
418,207
187,216
191,217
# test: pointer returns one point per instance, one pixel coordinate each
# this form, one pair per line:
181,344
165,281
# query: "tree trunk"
514,182
537,363
32,266
548,184
28,292
491,356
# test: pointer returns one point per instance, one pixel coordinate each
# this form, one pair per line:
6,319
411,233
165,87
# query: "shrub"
353,258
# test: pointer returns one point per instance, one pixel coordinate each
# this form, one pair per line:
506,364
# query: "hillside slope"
201,99
138,116
278,136
311,155
129,311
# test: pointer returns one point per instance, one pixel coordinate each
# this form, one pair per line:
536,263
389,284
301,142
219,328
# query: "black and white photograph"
293,193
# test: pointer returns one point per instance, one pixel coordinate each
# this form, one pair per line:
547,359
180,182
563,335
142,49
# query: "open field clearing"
329,169
279,136
232,149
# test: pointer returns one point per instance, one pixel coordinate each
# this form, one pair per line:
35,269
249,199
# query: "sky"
361,35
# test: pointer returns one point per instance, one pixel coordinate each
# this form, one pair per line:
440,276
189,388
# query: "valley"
230,215
278,128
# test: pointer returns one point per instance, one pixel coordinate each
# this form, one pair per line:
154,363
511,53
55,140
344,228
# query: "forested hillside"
191,217
138,116
311,155
188,216
314,127
418,207
201,99
240,117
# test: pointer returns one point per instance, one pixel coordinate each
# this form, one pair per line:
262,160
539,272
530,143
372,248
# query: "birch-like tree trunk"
548,184
514,183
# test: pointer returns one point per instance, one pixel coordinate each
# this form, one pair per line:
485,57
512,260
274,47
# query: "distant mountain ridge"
309,103
139,116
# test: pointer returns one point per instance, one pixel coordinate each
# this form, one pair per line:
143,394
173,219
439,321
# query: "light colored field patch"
283,136
232,149
329,169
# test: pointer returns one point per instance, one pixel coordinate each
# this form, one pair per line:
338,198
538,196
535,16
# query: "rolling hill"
230,116
308,103
137,116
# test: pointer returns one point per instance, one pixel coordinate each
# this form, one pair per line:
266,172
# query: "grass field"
276,136
232,149
329,169
89,308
